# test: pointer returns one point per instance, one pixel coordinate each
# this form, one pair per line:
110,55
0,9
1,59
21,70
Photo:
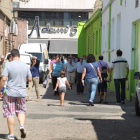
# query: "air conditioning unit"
15,4
12,27
16,30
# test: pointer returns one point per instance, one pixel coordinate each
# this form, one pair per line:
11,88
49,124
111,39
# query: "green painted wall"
93,35
81,39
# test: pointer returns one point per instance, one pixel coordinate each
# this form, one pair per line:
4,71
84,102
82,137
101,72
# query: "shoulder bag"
95,72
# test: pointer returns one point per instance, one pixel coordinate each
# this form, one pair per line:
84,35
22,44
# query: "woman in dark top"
91,72
35,74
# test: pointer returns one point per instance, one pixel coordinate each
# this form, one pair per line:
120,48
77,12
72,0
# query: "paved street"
46,120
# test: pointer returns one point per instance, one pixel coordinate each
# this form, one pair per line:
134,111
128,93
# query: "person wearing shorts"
15,97
70,67
61,83
103,85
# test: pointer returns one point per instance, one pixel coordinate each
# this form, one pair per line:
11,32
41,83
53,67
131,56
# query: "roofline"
93,17
4,14
53,10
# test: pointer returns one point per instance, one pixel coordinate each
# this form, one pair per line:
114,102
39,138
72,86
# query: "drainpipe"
109,35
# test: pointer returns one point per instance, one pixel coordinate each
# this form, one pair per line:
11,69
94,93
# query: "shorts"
12,105
103,89
70,77
62,90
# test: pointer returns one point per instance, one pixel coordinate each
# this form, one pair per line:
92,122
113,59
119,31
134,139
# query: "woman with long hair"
55,70
92,74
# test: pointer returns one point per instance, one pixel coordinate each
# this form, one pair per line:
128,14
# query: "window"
136,3
42,18
75,18
32,17
103,44
112,34
50,18
54,18
67,19
84,16
58,19
106,45
118,31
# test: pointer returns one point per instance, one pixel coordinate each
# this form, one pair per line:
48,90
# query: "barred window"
137,3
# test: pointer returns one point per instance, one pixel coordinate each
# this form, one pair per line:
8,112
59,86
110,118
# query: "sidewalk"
46,120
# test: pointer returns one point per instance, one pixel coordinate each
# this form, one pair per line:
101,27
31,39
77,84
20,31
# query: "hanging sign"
52,30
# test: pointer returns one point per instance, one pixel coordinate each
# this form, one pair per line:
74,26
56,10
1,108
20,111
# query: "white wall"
58,4
129,15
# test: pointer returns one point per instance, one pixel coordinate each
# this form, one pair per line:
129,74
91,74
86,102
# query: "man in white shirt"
79,67
120,65
69,68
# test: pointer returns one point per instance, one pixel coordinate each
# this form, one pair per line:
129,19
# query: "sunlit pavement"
47,120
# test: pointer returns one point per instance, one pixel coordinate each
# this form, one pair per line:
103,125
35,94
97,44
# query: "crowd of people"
15,74
92,72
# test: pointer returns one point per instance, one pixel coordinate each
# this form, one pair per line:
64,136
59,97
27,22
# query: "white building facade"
55,22
121,30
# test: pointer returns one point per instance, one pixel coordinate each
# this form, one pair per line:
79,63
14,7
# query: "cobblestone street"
46,120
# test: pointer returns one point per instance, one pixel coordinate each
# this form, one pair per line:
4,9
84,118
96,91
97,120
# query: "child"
103,85
61,83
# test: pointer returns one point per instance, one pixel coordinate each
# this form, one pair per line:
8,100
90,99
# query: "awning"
38,41
63,46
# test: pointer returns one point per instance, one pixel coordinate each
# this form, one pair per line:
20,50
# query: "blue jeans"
92,86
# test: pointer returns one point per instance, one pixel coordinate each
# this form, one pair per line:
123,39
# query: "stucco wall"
22,33
7,7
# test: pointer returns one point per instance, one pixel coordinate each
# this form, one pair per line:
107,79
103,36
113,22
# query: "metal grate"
137,3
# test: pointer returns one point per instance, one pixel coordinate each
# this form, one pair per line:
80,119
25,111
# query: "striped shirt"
57,68
119,65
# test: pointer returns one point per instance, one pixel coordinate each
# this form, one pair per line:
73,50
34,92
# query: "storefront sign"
51,30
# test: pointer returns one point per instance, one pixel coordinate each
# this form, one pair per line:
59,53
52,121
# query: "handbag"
45,83
95,72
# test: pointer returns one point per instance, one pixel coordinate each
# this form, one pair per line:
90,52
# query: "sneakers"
118,103
100,100
91,103
54,94
10,137
23,132
122,102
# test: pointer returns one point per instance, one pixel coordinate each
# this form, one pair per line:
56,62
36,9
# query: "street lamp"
79,18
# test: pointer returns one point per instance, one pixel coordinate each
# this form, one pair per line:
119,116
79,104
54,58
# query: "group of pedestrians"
94,73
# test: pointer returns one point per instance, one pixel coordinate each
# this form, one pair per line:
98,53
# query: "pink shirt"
52,62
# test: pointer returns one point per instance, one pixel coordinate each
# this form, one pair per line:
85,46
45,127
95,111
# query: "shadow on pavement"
3,136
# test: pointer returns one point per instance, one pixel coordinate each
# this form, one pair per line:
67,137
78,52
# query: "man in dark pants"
120,65
79,68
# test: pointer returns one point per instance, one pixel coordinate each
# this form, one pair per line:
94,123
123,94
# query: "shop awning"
63,46
38,41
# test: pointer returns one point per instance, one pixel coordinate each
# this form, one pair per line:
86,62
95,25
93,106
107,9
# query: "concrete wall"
58,4
7,7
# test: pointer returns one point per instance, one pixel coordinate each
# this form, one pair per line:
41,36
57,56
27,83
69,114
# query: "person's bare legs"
21,119
104,96
62,95
101,95
11,122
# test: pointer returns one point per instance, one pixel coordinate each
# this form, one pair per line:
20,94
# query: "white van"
40,51
26,58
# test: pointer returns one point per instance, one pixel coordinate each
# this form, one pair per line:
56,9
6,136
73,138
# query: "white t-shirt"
62,81
119,65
